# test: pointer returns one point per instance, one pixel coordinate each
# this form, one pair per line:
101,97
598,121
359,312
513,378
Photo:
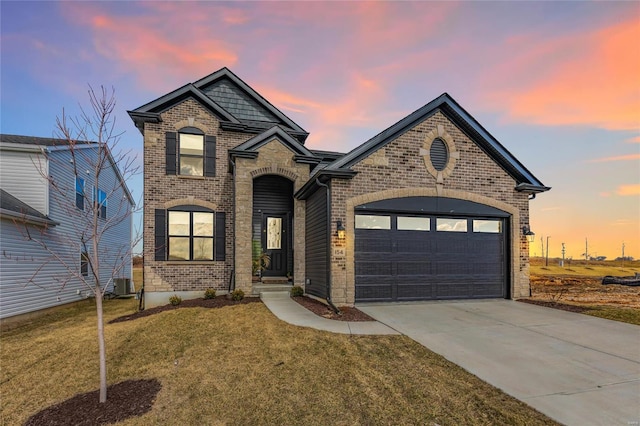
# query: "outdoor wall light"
341,230
527,232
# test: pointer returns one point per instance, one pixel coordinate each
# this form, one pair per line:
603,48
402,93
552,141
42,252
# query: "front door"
275,238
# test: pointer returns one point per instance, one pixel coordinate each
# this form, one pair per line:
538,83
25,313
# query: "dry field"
580,283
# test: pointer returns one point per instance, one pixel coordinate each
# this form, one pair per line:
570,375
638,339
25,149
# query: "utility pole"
623,254
586,250
562,264
546,263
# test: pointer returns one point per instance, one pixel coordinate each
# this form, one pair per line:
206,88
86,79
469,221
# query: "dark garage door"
404,257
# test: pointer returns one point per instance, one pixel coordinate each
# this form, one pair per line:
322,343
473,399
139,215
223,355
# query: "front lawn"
241,365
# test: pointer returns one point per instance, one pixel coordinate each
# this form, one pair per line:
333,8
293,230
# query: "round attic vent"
439,154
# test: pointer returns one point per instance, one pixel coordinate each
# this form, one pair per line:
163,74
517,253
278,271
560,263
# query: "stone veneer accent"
274,158
474,177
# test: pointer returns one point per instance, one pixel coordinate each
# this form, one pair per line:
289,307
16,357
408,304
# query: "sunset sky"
557,83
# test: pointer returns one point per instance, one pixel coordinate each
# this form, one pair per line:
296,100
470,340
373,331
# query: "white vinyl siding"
20,176
17,295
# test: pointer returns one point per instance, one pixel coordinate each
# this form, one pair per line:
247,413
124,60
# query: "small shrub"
210,293
237,295
296,291
175,300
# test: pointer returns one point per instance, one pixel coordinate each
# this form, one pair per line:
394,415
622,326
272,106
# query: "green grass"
241,365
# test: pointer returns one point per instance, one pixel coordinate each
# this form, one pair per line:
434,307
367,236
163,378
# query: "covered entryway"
428,248
272,223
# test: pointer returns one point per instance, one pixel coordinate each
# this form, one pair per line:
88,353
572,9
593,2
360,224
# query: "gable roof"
239,107
13,208
37,141
53,144
249,149
526,181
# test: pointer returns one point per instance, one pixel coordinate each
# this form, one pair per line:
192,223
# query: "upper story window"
190,152
79,193
100,197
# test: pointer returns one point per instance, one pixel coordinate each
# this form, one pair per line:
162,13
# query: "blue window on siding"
84,264
100,197
79,193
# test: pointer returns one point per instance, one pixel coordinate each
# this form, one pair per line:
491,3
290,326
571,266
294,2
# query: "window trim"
180,155
191,236
172,153
84,263
101,206
460,231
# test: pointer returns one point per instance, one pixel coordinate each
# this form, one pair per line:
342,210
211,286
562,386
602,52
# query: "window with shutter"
189,233
190,153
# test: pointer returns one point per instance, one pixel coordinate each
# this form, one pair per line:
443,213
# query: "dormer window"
190,152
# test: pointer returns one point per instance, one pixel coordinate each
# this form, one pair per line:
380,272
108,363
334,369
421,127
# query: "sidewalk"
285,308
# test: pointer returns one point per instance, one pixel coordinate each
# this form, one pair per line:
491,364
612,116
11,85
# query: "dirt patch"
556,305
585,291
127,399
319,308
217,302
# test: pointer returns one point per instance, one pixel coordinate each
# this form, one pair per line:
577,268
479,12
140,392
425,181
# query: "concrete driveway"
576,369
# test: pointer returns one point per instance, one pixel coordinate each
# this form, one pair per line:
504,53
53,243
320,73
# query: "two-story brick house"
433,207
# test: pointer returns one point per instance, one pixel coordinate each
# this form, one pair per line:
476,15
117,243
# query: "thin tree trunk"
103,355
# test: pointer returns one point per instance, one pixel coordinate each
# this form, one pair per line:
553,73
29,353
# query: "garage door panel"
443,268
374,292
455,289
418,291
413,268
394,265
415,245
364,268
373,245
493,269
488,288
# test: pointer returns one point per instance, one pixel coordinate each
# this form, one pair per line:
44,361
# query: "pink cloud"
625,190
634,140
628,157
150,47
584,79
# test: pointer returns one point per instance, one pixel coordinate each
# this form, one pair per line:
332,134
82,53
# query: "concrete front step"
269,288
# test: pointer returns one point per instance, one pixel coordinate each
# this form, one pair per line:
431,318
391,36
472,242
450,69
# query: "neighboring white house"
31,208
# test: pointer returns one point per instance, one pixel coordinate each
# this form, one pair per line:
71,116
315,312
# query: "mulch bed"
127,399
217,302
556,305
319,308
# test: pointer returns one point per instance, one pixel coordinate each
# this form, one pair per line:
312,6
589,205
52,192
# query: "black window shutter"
220,236
171,144
210,156
160,235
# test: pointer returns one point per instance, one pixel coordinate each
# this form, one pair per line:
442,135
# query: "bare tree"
92,141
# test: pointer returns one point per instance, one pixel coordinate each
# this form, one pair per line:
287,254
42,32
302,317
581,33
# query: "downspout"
232,277
328,278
